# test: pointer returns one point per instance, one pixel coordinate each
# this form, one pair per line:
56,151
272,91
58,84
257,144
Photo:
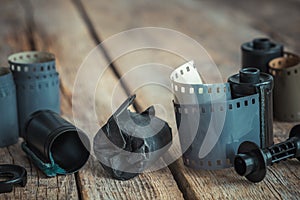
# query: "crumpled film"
129,143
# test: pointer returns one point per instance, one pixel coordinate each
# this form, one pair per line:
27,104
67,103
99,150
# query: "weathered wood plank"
14,36
221,33
279,19
69,40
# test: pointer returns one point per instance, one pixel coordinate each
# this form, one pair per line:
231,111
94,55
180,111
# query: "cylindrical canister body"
50,137
251,81
259,53
286,73
37,83
9,132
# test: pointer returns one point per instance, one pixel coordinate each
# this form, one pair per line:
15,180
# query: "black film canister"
259,52
9,132
251,81
55,145
37,83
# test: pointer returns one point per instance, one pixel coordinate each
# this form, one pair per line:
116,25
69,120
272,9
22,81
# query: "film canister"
251,81
37,83
286,73
9,131
55,145
259,53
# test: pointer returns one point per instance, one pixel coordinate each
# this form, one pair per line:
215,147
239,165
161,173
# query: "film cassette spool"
286,73
9,132
37,83
211,124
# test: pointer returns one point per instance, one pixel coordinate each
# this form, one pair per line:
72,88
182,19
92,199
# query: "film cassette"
212,120
259,52
286,73
251,81
37,83
9,132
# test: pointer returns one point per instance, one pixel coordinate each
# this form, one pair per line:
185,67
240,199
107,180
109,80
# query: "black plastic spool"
48,136
15,176
9,131
259,53
252,161
37,84
251,81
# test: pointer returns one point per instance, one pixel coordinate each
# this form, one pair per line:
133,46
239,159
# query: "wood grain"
14,36
221,33
278,19
71,29
72,43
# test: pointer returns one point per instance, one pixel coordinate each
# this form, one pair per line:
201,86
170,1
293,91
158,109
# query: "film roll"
286,73
212,124
37,83
259,52
251,81
9,132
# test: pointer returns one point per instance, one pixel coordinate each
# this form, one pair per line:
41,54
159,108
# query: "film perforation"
217,107
35,77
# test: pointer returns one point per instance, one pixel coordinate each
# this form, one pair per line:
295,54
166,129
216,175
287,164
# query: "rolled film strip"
286,73
188,88
259,52
222,123
37,83
9,132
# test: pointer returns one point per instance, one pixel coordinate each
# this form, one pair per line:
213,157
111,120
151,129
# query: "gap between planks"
97,39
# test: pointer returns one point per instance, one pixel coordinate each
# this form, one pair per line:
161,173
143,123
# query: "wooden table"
70,29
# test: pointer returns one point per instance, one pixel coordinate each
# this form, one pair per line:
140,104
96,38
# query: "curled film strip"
9,132
222,123
37,83
286,73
